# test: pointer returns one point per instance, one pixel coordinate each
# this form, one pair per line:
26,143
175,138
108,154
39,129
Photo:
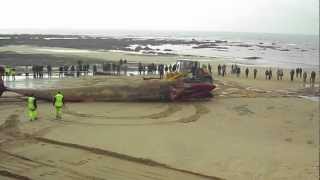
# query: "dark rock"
167,50
206,45
252,58
243,45
147,48
220,41
138,48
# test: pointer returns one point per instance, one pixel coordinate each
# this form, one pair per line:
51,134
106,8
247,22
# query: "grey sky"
274,16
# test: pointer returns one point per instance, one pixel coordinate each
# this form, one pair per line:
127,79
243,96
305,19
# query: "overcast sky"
274,16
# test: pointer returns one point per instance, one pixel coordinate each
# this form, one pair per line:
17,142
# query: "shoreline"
58,55
258,52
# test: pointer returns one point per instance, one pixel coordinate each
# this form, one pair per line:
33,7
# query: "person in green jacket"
32,107
7,72
58,102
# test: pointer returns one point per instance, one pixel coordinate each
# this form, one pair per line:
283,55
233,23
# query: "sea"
249,49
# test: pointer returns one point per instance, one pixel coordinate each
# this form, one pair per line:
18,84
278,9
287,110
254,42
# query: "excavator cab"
193,71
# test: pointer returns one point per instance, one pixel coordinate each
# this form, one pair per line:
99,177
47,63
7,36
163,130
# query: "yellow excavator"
191,72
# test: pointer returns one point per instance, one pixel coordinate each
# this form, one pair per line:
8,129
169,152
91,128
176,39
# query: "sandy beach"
159,90
251,129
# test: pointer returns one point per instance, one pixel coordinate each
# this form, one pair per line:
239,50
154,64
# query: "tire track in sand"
171,109
9,174
200,110
143,161
124,166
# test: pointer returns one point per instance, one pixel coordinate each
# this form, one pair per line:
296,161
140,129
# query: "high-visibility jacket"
58,100
13,72
7,70
32,103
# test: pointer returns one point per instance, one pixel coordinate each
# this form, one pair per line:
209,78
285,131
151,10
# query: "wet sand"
250,130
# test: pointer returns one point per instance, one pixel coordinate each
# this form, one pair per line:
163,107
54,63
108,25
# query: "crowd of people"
148,69
73,70
161,69
6,72
121,68
38,71
115,68
235,69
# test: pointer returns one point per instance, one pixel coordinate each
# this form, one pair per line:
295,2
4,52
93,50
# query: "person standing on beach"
174,68
32,107
143,69
94,69
238,71
281,74
34,71
297,72
77,69
49,70
58,102
13,74
139,68
312,78
219,69
170,68
26,71
125,67
72,69
247,72
210,68
60,71
305,77
1,72
278,74
111,68
166,69
291,74
270,74
119,68
161,71
7,72
266,74
38,71
255,71
224,68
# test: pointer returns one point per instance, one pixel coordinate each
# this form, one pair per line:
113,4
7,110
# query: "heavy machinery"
191,72
193,82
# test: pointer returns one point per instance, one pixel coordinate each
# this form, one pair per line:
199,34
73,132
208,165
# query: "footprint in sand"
288,139
11,122
309,142
270,107
243,110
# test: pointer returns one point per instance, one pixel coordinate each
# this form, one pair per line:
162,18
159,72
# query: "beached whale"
114,88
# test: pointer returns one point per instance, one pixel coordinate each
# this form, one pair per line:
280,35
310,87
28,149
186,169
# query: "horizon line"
87,30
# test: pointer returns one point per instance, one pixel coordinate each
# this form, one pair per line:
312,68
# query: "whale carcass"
114,89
